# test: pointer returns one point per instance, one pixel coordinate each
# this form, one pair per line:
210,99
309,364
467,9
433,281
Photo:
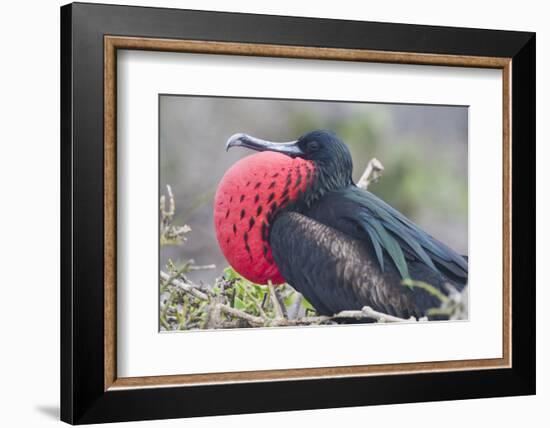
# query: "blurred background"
424,150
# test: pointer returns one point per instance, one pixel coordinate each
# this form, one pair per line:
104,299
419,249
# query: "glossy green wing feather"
391,231
381,238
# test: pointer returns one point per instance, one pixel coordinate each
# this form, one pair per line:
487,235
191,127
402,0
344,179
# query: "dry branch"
372,173
189,288
169,233
257,321
216,307
279,313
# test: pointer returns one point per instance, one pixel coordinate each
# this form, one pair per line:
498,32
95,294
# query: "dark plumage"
344,248
341,273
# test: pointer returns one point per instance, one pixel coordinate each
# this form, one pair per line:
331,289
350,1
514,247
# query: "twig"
188,288
372,173
169,233
275,301
258,321
366,312
214,313
167,213
428,288
381,317
455,307
317,320
294,311
200,267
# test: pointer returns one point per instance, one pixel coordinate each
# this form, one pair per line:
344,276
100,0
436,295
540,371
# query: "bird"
291,212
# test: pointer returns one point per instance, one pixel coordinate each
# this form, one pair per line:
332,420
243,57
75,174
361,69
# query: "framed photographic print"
265,213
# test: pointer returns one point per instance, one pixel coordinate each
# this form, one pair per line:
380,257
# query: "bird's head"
330,155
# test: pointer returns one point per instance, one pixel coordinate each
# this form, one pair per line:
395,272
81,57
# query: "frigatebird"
292,213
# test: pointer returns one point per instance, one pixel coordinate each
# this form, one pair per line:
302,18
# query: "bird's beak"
290,148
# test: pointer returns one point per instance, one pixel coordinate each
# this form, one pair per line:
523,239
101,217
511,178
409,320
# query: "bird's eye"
312,146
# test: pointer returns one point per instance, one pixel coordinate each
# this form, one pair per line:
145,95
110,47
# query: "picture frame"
91,35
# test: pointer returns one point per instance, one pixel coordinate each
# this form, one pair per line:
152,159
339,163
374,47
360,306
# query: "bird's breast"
247,200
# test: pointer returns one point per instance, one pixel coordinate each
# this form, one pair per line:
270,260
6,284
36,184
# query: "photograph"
295,213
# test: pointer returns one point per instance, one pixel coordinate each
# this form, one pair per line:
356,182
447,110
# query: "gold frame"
113,43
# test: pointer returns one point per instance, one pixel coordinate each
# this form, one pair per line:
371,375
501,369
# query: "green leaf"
229,273
426,287
239,304
307,305
289,299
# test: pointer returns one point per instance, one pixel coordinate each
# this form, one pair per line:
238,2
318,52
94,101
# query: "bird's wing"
336,272
362,214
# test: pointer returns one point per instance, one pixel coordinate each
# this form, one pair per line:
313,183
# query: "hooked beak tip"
234,140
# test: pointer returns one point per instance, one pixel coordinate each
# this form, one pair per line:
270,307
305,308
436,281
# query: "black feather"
336,272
